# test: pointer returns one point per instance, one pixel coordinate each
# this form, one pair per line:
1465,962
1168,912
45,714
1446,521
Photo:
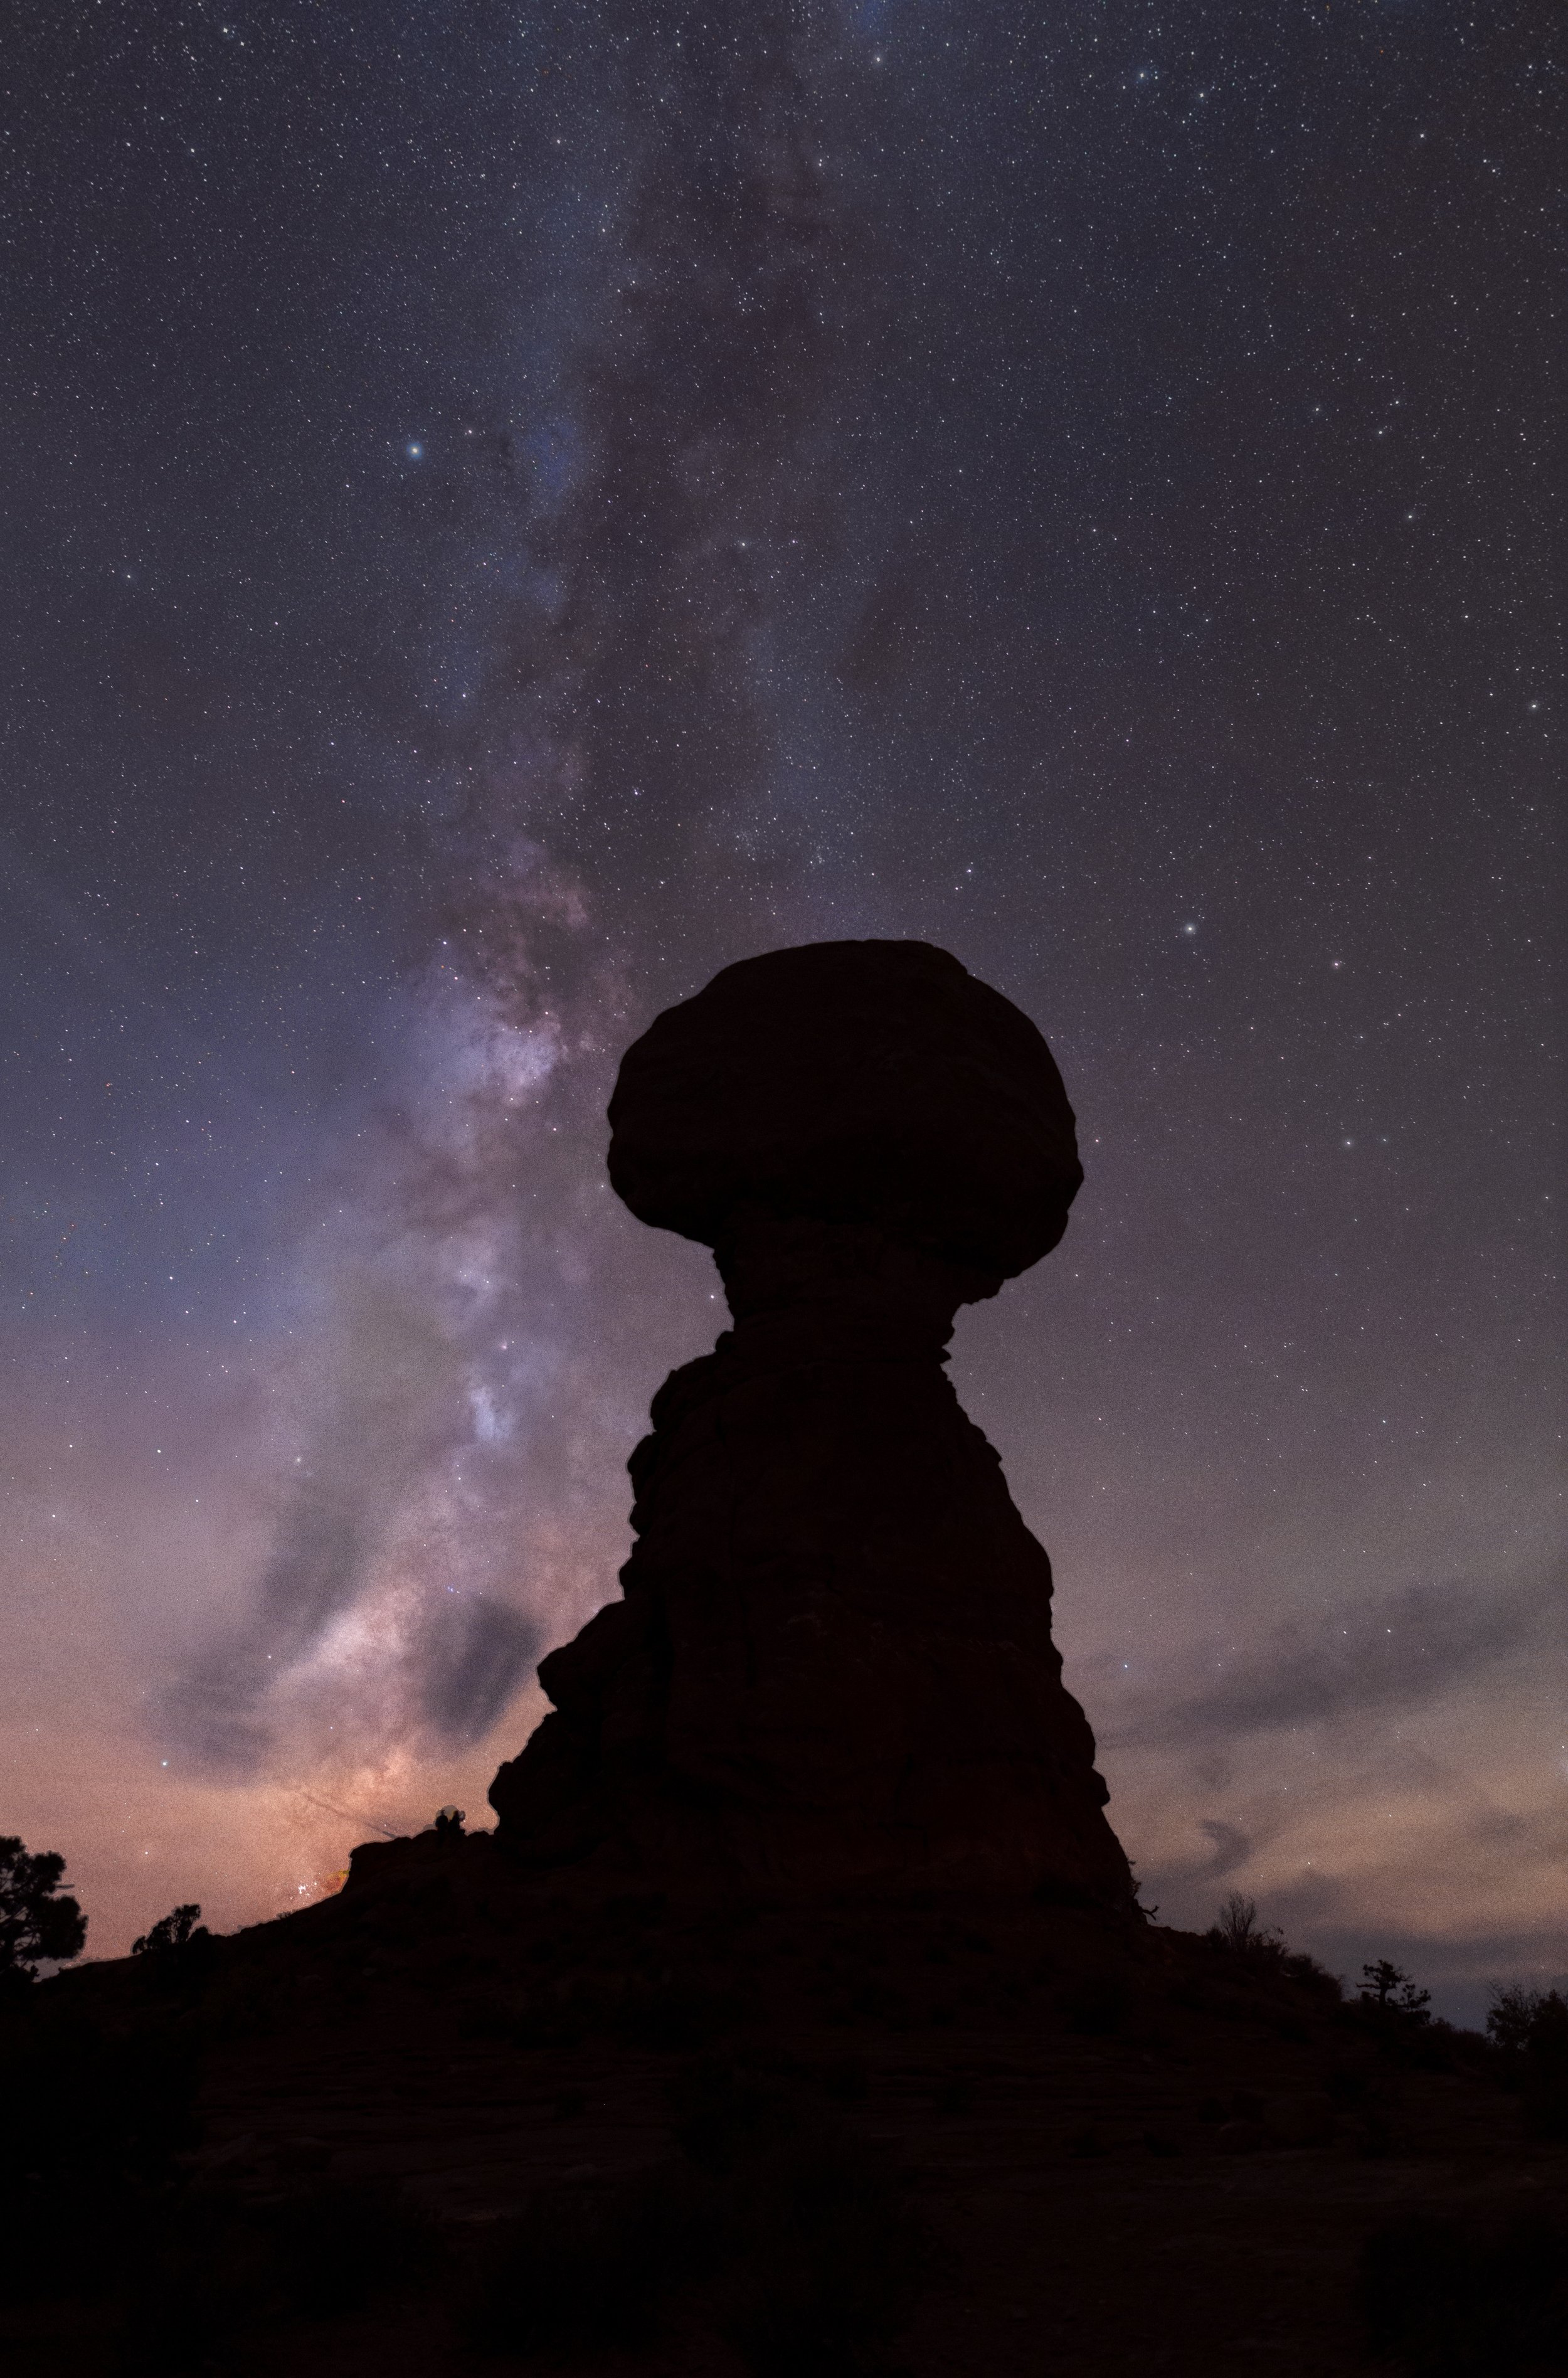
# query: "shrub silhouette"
1237,1927
1531,2028
1546,2069
39,1925
171,1933
1512,2014
1236,1932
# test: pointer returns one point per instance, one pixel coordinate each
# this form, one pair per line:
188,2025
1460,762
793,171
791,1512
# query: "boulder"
860,1081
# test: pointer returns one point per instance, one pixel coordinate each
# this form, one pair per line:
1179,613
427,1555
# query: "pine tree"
39,1924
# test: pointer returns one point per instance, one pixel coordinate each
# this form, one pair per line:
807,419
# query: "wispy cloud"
1232,1847
1401,1651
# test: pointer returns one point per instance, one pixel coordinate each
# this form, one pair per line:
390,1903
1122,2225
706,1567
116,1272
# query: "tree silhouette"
1385,1984
1237,1927
39,1924
1531,2028
172,1932
1519,2013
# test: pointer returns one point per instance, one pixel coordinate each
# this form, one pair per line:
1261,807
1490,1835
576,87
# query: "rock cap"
861,1082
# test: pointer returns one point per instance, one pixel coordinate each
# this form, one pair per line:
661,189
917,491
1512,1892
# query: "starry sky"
509,507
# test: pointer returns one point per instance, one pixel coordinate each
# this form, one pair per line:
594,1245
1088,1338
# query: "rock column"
833,1664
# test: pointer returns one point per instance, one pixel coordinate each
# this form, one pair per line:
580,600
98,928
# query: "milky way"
511,509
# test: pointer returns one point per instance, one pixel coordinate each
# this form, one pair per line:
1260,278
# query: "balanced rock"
833,1664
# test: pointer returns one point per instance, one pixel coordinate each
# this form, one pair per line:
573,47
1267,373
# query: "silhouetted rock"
869,1082
833,1661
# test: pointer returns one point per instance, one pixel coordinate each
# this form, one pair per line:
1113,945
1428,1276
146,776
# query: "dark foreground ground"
460,2120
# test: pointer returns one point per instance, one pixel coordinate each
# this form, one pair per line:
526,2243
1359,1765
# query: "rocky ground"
462,2119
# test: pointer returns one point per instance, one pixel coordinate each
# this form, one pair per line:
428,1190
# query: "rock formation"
833,1664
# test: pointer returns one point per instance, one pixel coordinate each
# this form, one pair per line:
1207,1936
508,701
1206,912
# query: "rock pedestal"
833,1664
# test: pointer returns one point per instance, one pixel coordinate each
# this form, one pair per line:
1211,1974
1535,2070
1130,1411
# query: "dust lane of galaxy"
508,509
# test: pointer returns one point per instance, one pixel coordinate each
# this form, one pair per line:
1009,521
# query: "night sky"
508,508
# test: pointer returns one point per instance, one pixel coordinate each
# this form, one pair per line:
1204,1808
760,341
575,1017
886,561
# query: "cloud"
1406,1649
1232,1847
471,1658
390,1404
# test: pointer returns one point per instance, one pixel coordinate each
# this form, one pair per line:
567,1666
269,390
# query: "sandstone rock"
833,1661
865,1082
